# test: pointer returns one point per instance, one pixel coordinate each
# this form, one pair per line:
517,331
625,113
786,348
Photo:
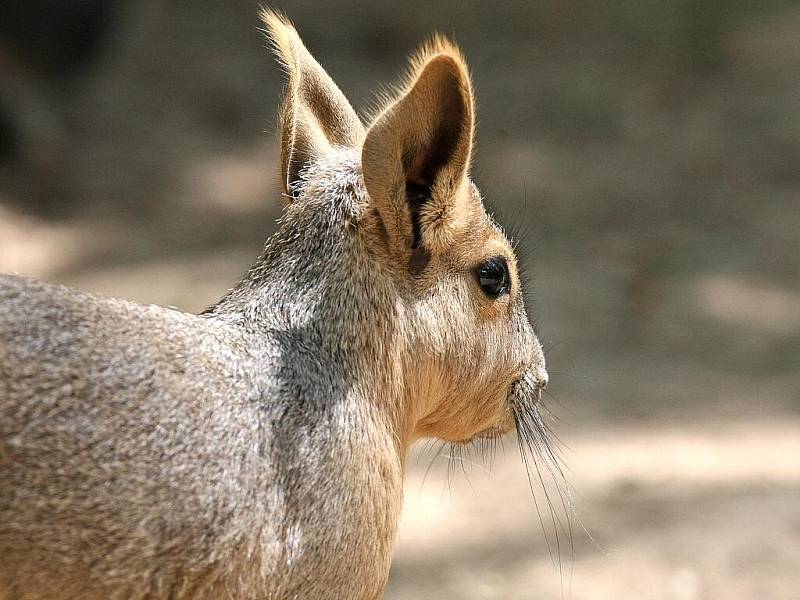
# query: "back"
109,412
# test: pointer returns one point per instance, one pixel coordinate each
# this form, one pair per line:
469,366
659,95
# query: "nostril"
537,394
543,379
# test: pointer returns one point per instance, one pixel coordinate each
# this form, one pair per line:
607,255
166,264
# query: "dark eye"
493,276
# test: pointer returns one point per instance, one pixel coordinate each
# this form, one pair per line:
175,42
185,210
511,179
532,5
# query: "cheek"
480,407
484,376
491,311
496,345
471,339
469,366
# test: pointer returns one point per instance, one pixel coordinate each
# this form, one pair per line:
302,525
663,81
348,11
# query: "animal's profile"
257,450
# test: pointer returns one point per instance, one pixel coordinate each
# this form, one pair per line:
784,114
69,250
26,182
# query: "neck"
322,300
339,428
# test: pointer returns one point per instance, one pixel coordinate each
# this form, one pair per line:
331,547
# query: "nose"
540,383
542,378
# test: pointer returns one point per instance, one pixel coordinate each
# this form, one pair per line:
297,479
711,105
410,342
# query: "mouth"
522,398
490,433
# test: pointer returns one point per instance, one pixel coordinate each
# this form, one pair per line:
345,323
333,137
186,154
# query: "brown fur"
257,450
315,115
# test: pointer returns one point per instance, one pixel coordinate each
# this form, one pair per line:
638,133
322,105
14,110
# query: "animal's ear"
315,115
416,155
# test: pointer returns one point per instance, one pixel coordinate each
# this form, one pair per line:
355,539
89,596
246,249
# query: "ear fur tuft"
315,116
436,45
417,151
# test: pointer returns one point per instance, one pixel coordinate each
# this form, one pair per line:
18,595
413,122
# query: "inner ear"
416,154
417,194
440,147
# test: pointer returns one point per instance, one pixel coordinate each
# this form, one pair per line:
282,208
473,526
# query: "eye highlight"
493,277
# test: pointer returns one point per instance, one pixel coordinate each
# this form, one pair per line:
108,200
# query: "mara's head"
466,353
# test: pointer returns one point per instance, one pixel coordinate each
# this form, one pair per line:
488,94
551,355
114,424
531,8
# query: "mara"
257,450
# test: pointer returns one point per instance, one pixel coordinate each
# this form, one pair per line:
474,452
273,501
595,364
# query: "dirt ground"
647,157
674,513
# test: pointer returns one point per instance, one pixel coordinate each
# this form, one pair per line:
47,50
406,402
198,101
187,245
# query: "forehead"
479,236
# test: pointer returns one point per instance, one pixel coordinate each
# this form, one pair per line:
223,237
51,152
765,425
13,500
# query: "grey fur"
149,453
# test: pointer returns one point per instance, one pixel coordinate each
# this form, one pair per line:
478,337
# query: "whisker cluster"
542,458
541,451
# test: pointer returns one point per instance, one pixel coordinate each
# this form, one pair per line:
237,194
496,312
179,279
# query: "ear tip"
274,19
439,50
441,44
279,30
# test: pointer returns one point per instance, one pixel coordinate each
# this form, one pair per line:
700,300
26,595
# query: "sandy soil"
675,512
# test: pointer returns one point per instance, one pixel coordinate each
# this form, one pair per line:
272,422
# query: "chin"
502,427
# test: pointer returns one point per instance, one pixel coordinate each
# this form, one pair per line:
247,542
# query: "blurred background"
645,153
